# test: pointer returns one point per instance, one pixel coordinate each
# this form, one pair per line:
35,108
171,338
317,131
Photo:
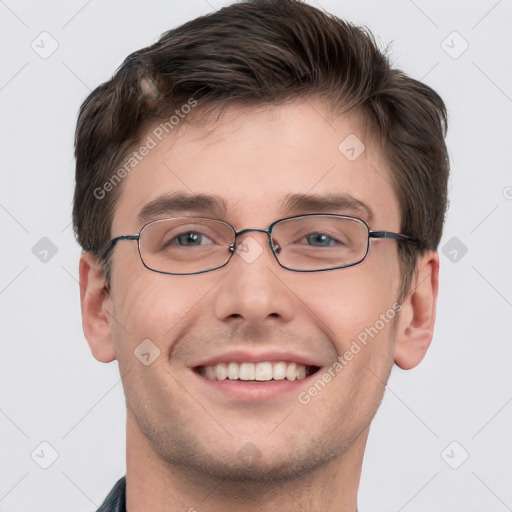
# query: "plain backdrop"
441,439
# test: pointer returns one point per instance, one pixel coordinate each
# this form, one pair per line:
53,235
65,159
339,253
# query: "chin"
251,466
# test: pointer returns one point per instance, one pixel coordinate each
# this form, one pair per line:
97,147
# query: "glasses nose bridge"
241,232
248,230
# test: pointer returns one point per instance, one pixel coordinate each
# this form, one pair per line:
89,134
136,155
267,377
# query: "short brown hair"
266,52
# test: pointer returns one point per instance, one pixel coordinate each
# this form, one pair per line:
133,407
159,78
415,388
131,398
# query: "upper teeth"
249,371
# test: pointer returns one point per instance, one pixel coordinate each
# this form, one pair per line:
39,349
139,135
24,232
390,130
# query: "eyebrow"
326,203
180,202
293,204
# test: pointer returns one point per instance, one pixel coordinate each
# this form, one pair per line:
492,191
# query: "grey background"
53,391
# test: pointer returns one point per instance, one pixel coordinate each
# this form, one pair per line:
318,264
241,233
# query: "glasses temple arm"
112,243
392,236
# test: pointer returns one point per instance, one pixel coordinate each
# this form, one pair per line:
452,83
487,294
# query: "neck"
160,486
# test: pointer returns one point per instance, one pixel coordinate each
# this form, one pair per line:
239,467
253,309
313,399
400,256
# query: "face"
253,310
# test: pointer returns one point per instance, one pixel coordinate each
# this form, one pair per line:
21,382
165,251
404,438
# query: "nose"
254,290
271,241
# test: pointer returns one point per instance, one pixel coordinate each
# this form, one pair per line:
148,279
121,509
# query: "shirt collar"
116,500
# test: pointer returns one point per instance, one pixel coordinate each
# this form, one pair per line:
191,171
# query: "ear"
95,305
416,326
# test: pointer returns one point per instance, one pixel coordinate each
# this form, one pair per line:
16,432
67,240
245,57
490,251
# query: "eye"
322,239
188,239
314,233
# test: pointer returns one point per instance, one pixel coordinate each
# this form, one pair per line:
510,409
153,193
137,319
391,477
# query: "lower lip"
255,391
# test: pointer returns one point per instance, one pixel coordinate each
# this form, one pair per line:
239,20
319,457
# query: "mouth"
265,371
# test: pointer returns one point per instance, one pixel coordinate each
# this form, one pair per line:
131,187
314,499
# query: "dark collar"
116,500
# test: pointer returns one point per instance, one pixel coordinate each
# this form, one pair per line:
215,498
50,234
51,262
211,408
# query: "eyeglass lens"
314,242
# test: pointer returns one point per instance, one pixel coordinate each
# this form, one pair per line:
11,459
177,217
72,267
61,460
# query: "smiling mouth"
257,372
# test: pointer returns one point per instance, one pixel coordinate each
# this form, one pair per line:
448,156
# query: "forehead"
259,164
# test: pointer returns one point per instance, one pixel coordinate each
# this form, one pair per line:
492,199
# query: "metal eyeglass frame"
232,248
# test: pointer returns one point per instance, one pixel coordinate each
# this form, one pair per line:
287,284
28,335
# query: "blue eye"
190,238
321,238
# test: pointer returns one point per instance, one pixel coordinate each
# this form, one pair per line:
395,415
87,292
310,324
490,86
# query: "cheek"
148,305
349,301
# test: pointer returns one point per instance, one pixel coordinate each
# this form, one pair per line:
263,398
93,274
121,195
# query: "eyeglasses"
303,243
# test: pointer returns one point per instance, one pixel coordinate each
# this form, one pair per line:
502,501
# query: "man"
259,197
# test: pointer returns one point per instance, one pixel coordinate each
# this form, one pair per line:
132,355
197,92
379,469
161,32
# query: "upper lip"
243,356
